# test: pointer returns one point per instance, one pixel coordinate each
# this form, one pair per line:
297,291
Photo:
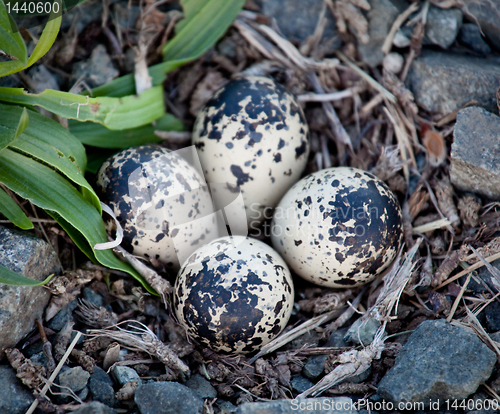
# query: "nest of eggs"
372,129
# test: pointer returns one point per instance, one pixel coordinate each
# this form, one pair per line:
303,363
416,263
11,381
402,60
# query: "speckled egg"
234,294
161,202
338,227
253,136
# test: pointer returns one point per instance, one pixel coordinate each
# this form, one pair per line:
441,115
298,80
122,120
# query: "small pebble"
124,374
393,62
75,378
201,387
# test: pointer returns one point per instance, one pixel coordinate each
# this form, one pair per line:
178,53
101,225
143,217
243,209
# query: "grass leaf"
204,24
10,209
201,28
115,113
13,121
49,34
8,277
11,41
99,136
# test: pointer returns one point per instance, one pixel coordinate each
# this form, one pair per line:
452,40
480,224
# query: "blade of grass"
123,113
13,121
102,137
8,277
10,209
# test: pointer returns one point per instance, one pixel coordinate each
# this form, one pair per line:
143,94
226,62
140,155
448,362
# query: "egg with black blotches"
160,200
252,136
234,294
338,227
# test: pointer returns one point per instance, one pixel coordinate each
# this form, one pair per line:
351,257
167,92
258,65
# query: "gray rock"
487,14
167,398
475,152
42,79
492,316
97,70
442,26
443,82
225,407
470,35
201,387
337,405
362,332
297,19
439,361
126,16
337,339
300,384
380,18
125,374
95,408
63,316
92,296
82,15
15,398
75,378
101,387
315,367
34,258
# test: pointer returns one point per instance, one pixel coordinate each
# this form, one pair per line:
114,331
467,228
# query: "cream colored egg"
161,202
338,227
252,136
234,295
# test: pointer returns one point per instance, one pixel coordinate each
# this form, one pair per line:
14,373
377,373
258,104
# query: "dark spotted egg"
338,227
161,202
252,136
234,294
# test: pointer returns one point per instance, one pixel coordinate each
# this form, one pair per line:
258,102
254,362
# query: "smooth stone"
34,258
297,19
487,14
201,387
15,398
315,367
125,374
101,387
97,70
380,18
167,398
75,378
443,82
303,406
95,407
440,361
475,152
301,384
470,35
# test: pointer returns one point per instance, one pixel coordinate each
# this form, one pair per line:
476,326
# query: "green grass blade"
205,23
12,66
48,190
214,18
115,113
11,41
13,121
125,85
10,209
8,277
49,142
99,136
104,257
48,36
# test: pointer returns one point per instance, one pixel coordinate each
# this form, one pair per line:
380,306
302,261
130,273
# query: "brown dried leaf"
205,89
449,264
444,194
469,207
31,374
93,316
